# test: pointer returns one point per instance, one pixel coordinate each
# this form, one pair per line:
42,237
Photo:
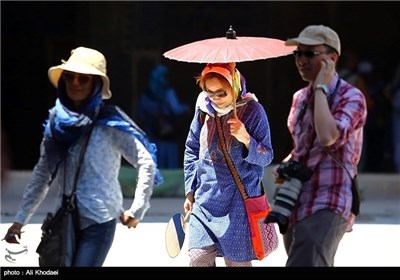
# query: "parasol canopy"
230,49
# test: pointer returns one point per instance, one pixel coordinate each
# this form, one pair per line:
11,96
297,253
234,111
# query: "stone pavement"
374,241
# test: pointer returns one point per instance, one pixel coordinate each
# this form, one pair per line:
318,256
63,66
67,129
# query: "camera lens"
285,200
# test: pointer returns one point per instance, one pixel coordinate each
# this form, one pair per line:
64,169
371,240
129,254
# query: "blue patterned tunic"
218,215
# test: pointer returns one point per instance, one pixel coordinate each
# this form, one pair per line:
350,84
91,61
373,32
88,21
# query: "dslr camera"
286,195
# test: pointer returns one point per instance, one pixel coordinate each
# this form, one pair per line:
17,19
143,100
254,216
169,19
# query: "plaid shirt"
330,185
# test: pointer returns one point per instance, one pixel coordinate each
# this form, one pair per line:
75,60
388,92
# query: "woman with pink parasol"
218,223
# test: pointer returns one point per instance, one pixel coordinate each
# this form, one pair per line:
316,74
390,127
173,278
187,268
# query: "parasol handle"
231,34
233,83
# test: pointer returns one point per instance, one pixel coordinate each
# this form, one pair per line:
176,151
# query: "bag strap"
228,159
70,202
354,187
81,156
338,161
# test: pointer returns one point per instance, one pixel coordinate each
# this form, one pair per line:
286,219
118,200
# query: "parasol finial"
231,34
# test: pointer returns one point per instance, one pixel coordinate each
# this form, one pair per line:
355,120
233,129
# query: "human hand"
277,178
188,204
13,233
326,72
128,220
239,131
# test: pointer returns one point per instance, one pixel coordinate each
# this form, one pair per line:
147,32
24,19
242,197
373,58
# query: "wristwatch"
322,87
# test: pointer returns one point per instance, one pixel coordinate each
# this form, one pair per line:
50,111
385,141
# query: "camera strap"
306,101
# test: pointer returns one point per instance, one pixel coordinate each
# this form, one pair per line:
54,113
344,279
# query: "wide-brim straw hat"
86,61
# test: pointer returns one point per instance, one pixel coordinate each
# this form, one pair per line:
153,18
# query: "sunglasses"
69,77
217,94
307,54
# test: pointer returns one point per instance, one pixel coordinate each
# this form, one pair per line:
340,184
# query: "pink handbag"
263,236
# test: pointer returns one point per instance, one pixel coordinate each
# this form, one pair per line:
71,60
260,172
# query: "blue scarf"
112,115
65,125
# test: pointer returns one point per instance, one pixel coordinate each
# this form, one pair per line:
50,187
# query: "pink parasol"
230,49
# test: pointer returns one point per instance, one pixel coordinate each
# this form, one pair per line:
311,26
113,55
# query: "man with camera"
313,203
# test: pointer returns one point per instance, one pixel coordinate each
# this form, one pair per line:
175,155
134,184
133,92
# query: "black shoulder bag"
57,245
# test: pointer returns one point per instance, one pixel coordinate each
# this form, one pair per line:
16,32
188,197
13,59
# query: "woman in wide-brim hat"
79,111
